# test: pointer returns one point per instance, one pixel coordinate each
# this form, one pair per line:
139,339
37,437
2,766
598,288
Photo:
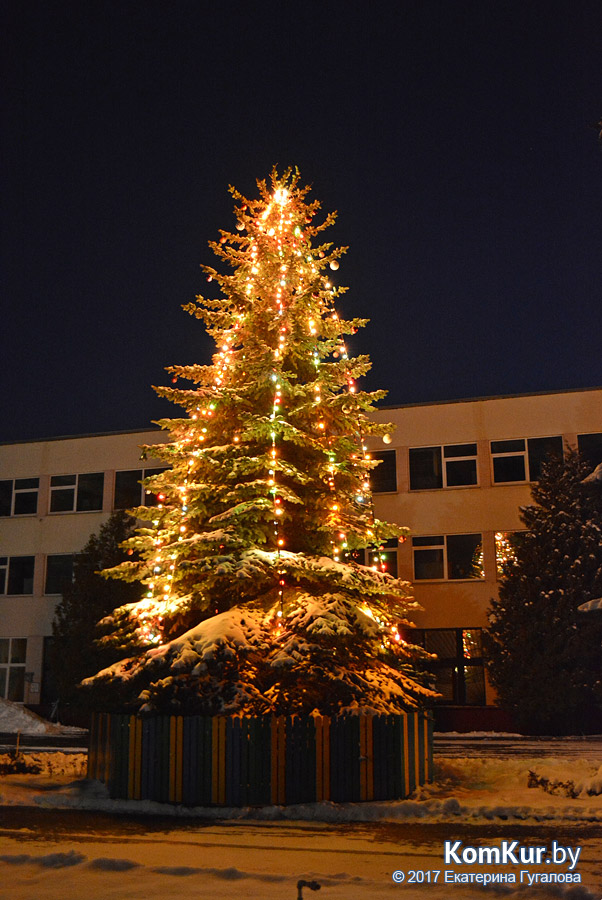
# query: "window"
540,450
383,479
508,461
16,574
505,551
590,448
458,671
513,460
448,557
385,558
59,570
81,493
12,668
452,465
19,497
129,493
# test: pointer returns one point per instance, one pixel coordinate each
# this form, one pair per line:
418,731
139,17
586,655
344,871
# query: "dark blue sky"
455,140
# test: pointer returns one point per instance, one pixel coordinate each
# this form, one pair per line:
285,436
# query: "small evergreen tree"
254,601
75,653
544,655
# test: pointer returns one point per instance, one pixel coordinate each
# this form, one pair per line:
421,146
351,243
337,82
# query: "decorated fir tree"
254,599
544,654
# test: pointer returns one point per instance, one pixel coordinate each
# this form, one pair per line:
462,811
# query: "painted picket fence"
263,760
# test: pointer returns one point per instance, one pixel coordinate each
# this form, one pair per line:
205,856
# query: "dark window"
59,571
541,449
425,469
128,489
6,498
460,465
87,488
19,497
20,575
508,461
129,493
429,564
458,671
590,448
455,556
89,491
12,668
3,573
62,493
454,465
383,479
464,556
508,468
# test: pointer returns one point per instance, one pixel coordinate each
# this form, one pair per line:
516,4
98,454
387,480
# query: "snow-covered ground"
475,790
63,838
351,849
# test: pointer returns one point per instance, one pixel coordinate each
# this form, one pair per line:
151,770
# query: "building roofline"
76,437
492,397
153,427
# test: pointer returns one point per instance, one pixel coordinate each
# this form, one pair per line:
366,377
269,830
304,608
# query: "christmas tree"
544,655
254,598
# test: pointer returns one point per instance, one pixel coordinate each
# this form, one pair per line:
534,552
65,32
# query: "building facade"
456,473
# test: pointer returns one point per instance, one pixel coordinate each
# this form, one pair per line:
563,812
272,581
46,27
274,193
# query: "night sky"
454,138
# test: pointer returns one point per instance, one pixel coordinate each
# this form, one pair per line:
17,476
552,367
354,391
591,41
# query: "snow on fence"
263,760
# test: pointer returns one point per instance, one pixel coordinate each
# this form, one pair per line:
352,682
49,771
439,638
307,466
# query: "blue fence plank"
396,761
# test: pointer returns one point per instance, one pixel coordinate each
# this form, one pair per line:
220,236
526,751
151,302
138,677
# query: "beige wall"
48,533
485,508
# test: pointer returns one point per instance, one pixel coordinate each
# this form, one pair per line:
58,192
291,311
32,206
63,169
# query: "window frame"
75,487
439,542
585,456
382,454
524,454
50,556
458,664
443,461
146,473
5,565
11,665
16,492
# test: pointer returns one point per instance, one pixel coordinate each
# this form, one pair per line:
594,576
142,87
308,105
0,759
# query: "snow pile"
15,718
473,791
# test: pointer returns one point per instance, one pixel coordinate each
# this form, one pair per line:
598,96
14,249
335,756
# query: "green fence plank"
249,759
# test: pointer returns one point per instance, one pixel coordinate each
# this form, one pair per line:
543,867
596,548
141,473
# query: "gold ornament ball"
334,264
387,438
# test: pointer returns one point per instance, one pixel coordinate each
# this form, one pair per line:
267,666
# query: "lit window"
505,551
458,671
450,557
12,668
19,497
76,493
383,479
451,465
59,571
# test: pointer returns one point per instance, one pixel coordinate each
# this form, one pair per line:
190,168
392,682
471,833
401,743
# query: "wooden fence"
260,761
